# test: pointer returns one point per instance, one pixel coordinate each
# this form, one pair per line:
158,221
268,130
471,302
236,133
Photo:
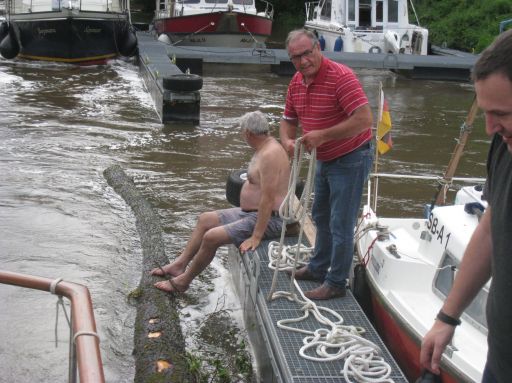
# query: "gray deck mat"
286,344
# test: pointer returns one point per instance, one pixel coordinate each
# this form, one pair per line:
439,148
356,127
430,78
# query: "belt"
274,212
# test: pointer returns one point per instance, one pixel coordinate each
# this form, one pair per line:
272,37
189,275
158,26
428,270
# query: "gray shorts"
240,224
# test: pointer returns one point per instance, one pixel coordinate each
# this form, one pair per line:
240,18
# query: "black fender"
183,82
127,44
9,46
234,186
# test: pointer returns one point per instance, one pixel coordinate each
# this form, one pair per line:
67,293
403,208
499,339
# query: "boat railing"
310,10
84,342
373,183
269,9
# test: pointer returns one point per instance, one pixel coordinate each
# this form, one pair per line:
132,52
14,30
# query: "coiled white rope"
335,341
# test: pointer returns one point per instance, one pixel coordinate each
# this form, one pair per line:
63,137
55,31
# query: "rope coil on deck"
335,341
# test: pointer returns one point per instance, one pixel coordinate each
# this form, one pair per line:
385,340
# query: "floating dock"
446,65
277,349
159,61
175,95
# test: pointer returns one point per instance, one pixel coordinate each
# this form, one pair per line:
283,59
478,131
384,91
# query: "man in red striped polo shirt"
326,100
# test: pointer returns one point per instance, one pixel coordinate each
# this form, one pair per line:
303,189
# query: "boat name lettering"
46,31
438,230
198,40
92,30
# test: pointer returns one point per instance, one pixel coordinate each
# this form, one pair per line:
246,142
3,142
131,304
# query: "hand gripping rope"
335,340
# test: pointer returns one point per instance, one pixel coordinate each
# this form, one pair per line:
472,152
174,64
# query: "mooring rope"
291,211
334,341
60,302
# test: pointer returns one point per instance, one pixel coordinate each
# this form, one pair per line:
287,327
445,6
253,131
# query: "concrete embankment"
159,346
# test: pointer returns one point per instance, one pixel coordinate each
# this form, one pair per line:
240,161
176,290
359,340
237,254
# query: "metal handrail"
90,367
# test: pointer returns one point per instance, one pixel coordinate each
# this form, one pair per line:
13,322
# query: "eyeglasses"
305,54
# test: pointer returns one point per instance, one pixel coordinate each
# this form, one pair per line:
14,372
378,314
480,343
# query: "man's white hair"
254,122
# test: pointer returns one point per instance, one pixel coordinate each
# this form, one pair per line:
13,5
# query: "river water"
61,126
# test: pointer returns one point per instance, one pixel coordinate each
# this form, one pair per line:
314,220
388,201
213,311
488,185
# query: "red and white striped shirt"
332,97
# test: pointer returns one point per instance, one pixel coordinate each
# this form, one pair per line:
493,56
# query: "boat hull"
231,29
85,39
402,342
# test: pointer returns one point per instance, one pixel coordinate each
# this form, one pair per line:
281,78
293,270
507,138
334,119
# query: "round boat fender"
9,47
375,49
360,288
237,178
4,30
183,82
128,43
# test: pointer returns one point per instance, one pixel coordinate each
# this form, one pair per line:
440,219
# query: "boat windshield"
475,313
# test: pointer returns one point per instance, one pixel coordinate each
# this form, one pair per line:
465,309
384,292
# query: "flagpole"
376,160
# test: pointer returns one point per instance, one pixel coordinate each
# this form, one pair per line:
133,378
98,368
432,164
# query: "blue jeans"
338,188
488,377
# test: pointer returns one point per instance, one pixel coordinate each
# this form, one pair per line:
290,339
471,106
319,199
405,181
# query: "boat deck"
277,349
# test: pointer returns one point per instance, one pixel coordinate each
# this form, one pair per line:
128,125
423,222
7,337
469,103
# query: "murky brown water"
60,127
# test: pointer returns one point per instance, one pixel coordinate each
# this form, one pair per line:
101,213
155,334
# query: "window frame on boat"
442,284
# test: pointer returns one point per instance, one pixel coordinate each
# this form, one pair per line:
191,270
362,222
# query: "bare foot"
170,286
169,270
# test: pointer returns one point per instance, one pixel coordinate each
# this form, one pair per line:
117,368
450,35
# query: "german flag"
384,141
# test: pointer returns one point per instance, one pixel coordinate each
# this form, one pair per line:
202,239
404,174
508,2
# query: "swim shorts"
240,224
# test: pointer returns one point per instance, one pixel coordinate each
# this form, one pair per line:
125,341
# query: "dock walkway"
277,349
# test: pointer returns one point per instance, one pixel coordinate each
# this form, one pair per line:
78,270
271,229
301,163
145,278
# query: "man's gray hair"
254,122
296,33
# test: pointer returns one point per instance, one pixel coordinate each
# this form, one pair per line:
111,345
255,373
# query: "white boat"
410,264
212,23
366,26
407,267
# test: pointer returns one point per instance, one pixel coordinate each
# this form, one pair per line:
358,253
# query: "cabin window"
379,11
443,284
325,13
352,11
392,11
217,1
191,1
242,2
365,13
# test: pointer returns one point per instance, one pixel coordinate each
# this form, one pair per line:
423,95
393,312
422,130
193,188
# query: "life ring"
237,178
183,82
375,49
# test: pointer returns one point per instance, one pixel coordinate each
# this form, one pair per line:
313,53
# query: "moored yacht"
366,26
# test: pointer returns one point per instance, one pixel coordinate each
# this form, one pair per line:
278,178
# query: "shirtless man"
257,217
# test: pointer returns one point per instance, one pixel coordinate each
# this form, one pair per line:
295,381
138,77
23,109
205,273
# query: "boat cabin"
374,26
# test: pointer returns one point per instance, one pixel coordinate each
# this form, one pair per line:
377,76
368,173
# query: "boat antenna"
465,130
415,14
